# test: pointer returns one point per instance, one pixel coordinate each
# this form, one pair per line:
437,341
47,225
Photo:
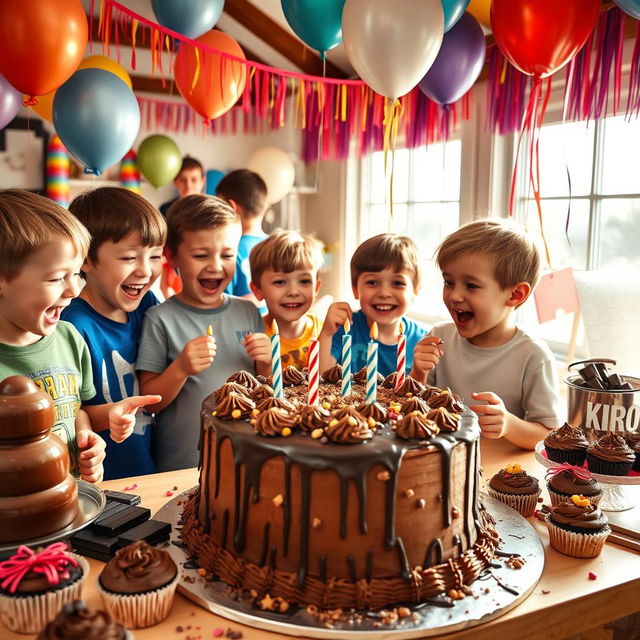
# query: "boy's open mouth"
291,305
463,317
52,314
133,291
384,308
210,285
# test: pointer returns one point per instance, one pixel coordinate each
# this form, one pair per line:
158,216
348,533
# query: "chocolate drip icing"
351,563
434,554
405,569
225,528
265,543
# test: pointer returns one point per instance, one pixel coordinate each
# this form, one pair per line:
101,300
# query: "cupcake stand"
619,493
500,589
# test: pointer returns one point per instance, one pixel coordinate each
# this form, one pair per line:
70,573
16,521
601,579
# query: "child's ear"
170,256
318,285
86,266
519,294
355,293
256,291
233,204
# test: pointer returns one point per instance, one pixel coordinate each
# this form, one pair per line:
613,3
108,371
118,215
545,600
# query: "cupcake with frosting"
578,528
35,584
566,444
633,440
138,585
515,487
565,480
76,621
611,456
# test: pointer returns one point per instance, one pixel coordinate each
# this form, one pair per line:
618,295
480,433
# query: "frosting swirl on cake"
292,376
360,377
312,417
350,428
245,379
414,404
76,621
567,438
229,387
447,400
280,403
375,410
390,381
447,422
429,393
333,375
234,406
261,392
416,425
613,448
272,422
410,385
589,517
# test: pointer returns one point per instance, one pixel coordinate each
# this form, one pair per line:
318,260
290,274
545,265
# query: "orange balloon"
481,9
44,107
210,83
43,42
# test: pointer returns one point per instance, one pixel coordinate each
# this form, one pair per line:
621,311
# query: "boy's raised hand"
426,355
122,415
197,355
492,416
258,347
337,313
91,455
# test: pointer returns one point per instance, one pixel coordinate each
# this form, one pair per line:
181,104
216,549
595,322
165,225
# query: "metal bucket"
600,411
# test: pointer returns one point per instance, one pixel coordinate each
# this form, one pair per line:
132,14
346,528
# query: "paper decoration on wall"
129,172
57,169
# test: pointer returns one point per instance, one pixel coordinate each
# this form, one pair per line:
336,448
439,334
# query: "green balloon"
159,159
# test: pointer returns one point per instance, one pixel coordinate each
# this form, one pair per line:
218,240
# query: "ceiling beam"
263,27
154,85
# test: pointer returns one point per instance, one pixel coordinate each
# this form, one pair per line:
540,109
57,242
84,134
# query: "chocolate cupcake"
566,480
610,456
633,440
566,444
35,584
76,621
515,487
138,585
577,528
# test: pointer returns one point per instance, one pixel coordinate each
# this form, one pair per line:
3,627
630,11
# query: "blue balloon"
632,7
453,11
213,179
97,118
191,18
316,22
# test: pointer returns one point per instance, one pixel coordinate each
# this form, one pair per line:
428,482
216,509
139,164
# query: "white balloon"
392,43
274,166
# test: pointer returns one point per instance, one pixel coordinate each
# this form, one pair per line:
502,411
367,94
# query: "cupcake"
138,585
633,440
35,584
515,487
610,456
577,528
566,480
76,621
566,444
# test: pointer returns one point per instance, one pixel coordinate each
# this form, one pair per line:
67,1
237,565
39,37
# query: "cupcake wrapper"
140,610
525,505
30,614
577,545
572,456
597,465
560,498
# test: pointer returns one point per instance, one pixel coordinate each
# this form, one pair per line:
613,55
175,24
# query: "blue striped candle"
346,359
372,365
276,363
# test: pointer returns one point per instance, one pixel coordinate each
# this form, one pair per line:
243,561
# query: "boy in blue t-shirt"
124,260
385,279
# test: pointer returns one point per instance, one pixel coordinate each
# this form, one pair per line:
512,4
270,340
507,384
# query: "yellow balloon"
481,9
44,108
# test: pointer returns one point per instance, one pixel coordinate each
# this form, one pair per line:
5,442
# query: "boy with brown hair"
385,278
490,268
124,260
190,180
284,273
246,192
178,358
42,247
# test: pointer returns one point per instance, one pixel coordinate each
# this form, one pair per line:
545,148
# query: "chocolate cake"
337,506
38,496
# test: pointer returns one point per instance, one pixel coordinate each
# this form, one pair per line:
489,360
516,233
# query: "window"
426,207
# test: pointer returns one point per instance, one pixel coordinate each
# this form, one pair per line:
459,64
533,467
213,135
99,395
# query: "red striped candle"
401,357
314,371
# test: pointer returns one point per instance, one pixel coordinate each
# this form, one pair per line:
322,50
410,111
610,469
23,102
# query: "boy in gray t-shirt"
509,379
177,353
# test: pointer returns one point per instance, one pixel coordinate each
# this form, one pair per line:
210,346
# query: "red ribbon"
580,473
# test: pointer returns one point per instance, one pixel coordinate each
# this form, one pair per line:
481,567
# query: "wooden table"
573,604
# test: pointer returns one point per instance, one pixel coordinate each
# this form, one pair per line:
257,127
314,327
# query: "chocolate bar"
88,540
122,520
121,496
110,509
151,531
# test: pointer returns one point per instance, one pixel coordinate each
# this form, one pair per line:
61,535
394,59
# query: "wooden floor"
594,634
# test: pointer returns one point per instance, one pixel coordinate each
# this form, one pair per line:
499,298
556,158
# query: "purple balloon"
10,102
458,63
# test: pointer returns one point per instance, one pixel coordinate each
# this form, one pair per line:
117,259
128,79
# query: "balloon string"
392,113
320,94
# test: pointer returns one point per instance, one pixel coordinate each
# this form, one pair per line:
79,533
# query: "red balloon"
43,42
541,36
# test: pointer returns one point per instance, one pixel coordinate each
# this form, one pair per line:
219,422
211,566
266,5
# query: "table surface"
565,602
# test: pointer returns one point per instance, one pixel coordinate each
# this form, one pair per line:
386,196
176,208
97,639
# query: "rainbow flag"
129,172
57,168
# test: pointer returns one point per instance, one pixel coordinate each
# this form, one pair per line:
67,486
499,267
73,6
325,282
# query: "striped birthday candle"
57,169
314,371
401,357
372,365
346,359
276,363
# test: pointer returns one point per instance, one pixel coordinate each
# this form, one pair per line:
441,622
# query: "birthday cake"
342,504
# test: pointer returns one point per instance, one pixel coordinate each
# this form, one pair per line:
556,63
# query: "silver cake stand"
91,502
617,491
497,591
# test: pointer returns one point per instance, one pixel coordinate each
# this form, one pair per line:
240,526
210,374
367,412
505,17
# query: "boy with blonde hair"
284,273
490,268
124,260
42,247
385,278
178,357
